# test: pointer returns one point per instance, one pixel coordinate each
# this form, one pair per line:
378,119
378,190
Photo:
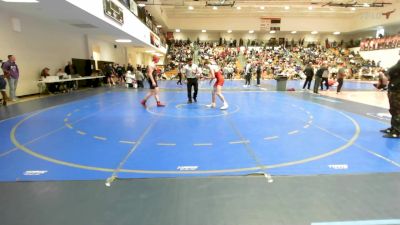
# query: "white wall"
107,51
45,43
388,57
374,19
40,44
328,24
138,56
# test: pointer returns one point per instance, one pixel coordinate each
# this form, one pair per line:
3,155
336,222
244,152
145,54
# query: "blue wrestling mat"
261,133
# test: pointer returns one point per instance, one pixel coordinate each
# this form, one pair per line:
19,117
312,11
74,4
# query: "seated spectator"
51,87
61,74
68,85
45,73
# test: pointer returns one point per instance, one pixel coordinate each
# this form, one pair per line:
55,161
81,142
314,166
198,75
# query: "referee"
394,102
191,72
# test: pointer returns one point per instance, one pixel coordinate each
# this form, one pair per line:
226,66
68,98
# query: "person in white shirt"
191,72
130,79
247,73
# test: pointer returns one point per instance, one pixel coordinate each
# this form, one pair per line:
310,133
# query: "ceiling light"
353,9
366,5
310,7
190,7
287,7
336,33
262,7
141,5
123,40
22,1
203,31
177,30
272,32
251,31
229,31
150,51
215,7
238,8
314,32
159,26
293,32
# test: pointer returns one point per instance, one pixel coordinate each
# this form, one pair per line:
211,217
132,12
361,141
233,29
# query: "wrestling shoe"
224,106
387,131
195,99
159,104
212,105
143,103
392,135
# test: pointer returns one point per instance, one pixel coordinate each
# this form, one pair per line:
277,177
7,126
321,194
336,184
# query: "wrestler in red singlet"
217,90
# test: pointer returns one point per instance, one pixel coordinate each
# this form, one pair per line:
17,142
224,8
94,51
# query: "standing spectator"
70,69
129,68
191,73
144,71
11,72
341,75
120,71
109,72
139,78
394,102
309,72
180,69
318,78
130,79
3,85
247,73
258,71
325,77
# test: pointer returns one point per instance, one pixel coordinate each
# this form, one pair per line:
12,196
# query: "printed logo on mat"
187,168
339,167
382,116
35,172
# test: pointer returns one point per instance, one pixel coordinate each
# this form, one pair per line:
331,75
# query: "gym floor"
271,158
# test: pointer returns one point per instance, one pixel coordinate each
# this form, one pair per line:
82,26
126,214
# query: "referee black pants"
192,82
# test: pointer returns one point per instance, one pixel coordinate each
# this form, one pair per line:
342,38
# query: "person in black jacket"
394,102
70,69
318,77
259,71
309,72
3,84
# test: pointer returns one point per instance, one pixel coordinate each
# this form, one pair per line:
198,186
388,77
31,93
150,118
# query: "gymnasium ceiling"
203,8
